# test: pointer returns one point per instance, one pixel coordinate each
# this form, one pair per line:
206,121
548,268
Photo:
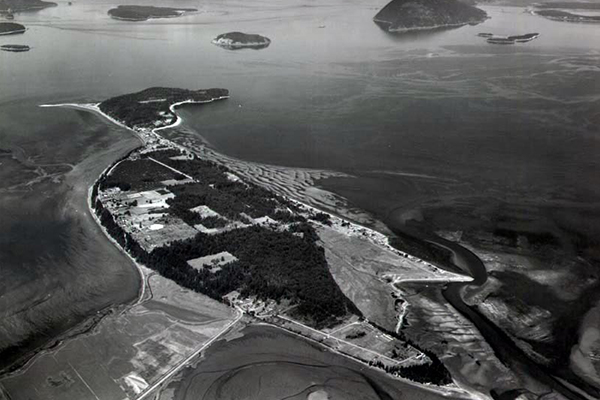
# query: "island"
144,13
11,28
575,5
239,40
16,48
558,15
528,37
10,6
414,15
495,39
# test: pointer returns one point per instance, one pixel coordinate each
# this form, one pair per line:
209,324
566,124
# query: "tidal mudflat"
49,238
128,351
267,363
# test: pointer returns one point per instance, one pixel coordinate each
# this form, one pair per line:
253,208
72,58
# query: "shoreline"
88,323
19,31
426,28
138,266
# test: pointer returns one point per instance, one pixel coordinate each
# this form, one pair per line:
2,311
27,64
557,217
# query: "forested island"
144,13
15,48
24,5
575,5
411,15
555,11
11,28
239,40
558,15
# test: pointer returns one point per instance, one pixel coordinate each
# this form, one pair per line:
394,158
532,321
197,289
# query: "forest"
434,372
217,191
143,109
138,175
277,265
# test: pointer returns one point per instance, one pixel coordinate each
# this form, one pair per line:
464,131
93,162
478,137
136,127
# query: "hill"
24,5
144,13
10,28
408,15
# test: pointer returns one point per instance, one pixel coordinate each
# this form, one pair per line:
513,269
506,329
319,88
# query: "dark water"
431,117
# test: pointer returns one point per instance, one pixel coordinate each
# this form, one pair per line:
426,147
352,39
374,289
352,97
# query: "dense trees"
434,372
143,109
137,175
322,217
271,265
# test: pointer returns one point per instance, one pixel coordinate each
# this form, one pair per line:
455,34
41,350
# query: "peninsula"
11,28
239,40
414,15
144,13
276,260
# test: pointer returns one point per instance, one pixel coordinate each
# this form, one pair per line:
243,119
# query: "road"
345,342
171,168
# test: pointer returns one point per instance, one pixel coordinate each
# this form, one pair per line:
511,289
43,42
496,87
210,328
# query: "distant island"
239,40
495,39
16,48
412,15
7,6
144,13
574,5
11,28
555,11
558,15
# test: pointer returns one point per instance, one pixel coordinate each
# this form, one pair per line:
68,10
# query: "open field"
126,351
364,272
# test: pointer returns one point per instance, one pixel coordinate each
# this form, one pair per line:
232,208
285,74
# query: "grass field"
126,351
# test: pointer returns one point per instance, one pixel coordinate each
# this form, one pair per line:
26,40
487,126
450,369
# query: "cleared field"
365,335
363,271
213,261
126,352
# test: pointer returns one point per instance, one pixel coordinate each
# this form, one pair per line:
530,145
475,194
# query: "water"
441,116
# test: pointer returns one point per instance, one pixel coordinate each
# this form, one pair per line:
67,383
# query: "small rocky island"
15,48
144,13
10,6
239,40
495,39
11,28
413,15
